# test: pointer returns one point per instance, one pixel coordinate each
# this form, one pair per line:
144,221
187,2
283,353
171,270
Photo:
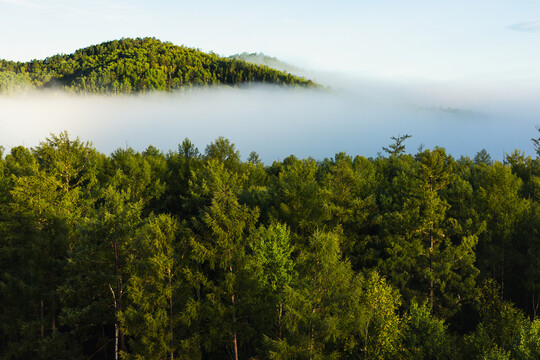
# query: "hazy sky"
478,41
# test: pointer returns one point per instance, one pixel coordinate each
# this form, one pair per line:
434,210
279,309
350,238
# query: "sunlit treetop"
138,65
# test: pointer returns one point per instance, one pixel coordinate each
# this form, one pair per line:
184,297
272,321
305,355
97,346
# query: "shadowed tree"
226,229
149,317
316,303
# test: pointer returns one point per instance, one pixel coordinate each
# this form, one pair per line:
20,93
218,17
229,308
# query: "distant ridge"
270,61
138,65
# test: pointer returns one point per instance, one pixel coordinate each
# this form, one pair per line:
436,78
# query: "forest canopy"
200,255
137,65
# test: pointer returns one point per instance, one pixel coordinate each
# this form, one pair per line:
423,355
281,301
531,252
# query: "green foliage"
204,256
529,341
427,337
372,327
148,319
11,82
137,65
297,196
314,306
262,59
272,253
500,325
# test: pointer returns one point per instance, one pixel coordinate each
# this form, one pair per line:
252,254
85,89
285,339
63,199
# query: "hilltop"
137,65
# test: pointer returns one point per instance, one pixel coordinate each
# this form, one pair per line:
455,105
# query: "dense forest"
137,65
190,255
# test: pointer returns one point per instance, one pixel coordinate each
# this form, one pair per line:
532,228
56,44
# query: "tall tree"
536,143
372,326
149,317
98,263
429,255
298,197
226,229
273,269
351,204
499,204
314,306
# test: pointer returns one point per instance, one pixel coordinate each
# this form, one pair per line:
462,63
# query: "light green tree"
372,326
314,305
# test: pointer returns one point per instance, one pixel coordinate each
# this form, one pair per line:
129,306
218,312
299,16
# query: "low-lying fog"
275,122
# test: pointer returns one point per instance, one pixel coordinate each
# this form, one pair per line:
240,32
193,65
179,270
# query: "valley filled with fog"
355,116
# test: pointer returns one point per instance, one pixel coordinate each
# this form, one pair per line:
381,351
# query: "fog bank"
357,117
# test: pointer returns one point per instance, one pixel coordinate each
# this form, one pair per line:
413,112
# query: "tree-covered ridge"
270,61
138,65
193,255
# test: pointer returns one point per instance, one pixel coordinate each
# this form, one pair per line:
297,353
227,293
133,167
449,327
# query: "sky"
478,42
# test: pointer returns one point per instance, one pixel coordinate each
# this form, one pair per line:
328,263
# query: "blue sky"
476,41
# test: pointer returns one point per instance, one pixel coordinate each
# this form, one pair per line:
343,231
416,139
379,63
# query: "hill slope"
137,65
270,61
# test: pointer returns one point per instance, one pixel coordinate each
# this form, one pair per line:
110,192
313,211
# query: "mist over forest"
161,202
135,92
356,117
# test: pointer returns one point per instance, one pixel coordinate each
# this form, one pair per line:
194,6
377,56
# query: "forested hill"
137,65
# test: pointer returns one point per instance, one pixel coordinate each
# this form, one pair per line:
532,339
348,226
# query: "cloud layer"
358,118
527,26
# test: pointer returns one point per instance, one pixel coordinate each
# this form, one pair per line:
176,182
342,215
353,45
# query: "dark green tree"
226,230
397,148
149,317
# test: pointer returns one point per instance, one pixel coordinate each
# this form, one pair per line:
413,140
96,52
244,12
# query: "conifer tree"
429,256
149,317
372,329
348,195
298,198
273,269
315,304
226,229
99,259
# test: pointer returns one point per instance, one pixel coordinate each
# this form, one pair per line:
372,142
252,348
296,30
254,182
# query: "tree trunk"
115,324
431,271
502,274
311,342
53,304
42,319
280,324
535,304
171,313
235,342
118,303
115,341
